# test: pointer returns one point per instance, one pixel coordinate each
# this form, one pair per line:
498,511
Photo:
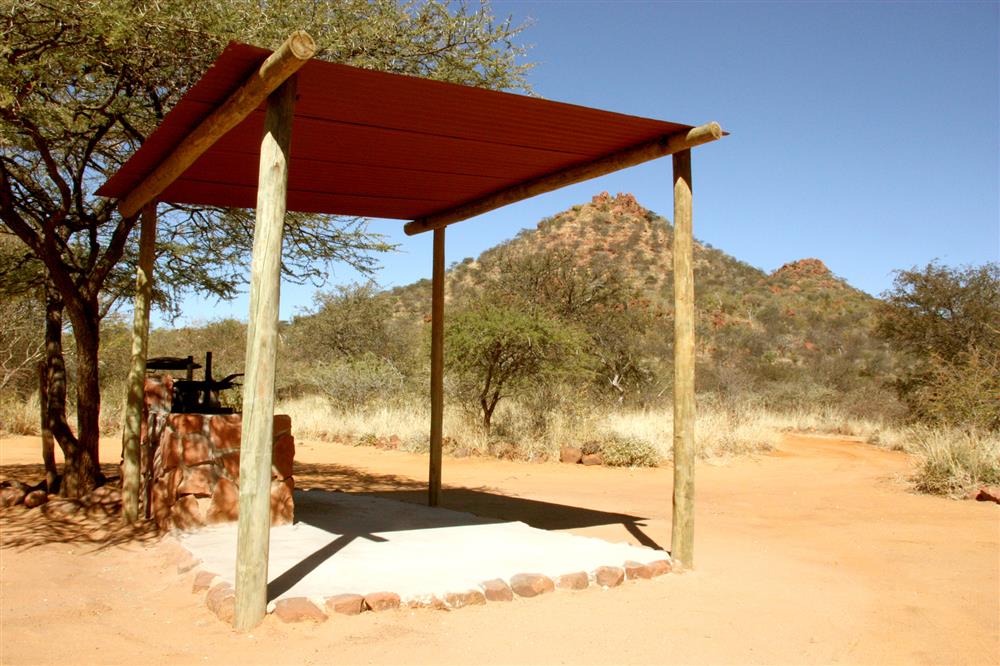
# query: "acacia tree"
947,321
83,83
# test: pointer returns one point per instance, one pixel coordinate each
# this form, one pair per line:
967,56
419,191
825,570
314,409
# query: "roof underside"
374,144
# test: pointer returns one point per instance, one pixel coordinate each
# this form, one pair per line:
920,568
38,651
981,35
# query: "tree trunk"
54,421
488,407
82,472
48,441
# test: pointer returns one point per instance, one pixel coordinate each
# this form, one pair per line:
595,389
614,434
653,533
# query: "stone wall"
196,467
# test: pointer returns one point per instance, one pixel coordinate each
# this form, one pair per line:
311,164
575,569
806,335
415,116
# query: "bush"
628,452
955,462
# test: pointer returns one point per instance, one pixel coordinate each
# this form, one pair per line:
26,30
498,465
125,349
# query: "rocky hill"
799,333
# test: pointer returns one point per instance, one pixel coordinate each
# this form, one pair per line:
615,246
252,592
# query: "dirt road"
816,553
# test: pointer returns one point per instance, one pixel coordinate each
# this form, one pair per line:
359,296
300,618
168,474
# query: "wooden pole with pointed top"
253,536
682,526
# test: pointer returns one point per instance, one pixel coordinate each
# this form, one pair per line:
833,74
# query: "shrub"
629,452
955,462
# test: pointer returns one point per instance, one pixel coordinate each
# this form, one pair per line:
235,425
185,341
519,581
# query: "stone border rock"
220,597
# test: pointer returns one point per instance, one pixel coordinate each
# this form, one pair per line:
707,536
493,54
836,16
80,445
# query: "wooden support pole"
285,61
682,532
131,453
643,152
437,367
253,534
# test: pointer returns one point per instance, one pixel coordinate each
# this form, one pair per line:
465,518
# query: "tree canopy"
83,83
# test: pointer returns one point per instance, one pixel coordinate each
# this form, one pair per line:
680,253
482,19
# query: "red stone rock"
161,503
609,576
985,494
570,454
578,580
231,463
197,449
225,505
186,424
221,600
198,481
298,609
35,498
531,584
185,514
467,598
104,495
345,604
203,581
380,601
282,425
283,456
11,496
497,590
282,502
225,431
659,567
170,450
592,459
635,570
63,509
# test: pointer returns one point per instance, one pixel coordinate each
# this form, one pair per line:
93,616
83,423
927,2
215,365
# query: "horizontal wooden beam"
285,61
643,152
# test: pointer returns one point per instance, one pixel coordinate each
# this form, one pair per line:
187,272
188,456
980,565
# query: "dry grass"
518,434
19,417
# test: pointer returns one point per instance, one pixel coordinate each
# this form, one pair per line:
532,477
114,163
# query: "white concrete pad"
359,544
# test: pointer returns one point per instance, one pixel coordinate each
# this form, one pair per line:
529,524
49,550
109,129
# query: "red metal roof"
374,144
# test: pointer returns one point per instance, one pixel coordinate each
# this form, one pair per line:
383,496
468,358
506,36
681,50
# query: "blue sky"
865,134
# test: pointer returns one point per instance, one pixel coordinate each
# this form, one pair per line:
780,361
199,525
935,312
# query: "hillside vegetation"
563,336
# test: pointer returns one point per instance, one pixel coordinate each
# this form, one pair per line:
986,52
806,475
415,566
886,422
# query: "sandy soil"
816,553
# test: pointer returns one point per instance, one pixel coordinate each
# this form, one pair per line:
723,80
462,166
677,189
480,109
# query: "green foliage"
947,320
496,351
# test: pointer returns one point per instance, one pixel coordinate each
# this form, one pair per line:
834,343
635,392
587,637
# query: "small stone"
531,584
36,498
186,424
186,561
609,576
592,459
381,601
203,581
11,496
62,509
659,567
104,495
170,450
346,604
298,609
578,580
221,600
635,570
985,494
570,454
497,590
467,598
231,463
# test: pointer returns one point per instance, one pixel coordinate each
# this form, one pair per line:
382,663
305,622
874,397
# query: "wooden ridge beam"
643,152
285,61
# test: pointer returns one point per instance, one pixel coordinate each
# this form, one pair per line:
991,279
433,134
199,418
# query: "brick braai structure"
196,466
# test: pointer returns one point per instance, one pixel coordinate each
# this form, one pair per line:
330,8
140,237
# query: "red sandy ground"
816,553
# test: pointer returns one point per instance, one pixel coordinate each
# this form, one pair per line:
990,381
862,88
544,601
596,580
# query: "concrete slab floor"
357,544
